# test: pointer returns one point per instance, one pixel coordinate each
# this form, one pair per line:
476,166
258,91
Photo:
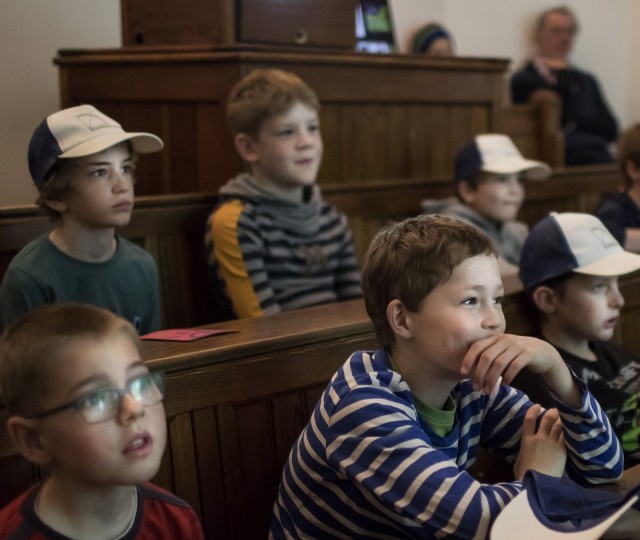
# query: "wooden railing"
235,404
171,227
370,204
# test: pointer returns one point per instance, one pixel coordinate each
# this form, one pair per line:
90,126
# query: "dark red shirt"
160,515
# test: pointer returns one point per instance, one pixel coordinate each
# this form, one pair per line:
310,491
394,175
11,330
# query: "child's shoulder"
32,253
165,515
151,492
16,514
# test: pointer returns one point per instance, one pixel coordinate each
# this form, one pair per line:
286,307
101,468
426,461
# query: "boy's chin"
605,335
144,473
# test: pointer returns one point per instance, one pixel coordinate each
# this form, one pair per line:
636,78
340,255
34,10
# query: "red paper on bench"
185,334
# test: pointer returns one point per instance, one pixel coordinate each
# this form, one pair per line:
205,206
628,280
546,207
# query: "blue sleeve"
422,487
613,217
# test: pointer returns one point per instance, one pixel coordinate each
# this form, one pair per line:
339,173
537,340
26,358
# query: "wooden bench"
170,227
368,205
235,404
383,116
535,127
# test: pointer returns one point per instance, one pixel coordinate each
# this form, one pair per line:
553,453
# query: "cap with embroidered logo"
496,153
572,242
77,132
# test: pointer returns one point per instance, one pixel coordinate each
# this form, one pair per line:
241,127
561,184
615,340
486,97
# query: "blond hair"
35,343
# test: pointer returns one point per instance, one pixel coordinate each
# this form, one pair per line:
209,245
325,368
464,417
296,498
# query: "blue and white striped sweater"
366,466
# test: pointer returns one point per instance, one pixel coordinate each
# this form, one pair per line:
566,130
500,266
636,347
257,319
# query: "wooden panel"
209,472
161,22
382,115
319,23
235,404
627,331
535,127
183,460
170,228
368,204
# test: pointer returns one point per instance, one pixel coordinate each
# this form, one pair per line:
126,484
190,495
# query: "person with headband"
433,40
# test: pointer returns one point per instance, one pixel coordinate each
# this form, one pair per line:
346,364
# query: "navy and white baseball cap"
557,508
496,153
572,242
78,132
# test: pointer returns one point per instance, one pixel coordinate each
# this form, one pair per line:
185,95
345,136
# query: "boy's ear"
633,171
246,147
58,206
466,191
26,436
397,319
546,299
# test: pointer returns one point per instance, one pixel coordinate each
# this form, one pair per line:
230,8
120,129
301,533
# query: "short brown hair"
57,184
629,150
35,343
408,259
265,93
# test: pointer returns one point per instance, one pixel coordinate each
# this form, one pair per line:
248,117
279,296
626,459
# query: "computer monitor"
374,28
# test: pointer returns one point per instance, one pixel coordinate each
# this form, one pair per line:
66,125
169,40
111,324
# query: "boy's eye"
128,169
99,399
498,300
285,132
142,384
470,301
314,127
99,173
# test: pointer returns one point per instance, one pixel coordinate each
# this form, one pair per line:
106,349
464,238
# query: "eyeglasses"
103,404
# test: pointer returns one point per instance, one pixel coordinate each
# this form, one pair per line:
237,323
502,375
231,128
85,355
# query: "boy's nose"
121,183
131,409
492,318
305,138
617,300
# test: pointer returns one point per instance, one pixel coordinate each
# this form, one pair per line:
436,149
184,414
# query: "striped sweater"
367,466
270,254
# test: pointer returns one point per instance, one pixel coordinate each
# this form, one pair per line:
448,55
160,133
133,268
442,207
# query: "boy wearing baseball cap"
570,267
83,164
489,175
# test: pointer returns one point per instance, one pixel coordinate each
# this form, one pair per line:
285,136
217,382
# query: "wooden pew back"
368,205
535,128
235,404
170,227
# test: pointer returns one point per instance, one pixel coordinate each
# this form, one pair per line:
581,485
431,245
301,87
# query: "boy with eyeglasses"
82,403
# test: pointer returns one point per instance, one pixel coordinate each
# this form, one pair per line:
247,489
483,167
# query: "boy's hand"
504,355
542,450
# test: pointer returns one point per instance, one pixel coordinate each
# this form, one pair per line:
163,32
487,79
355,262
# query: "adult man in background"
587,122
